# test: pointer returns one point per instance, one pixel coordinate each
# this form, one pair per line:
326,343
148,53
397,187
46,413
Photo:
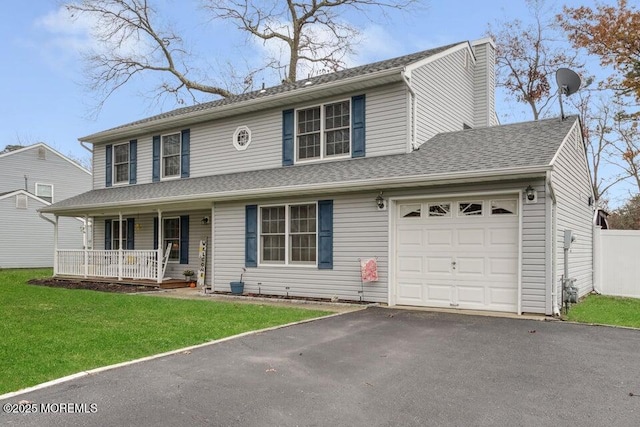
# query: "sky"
44,87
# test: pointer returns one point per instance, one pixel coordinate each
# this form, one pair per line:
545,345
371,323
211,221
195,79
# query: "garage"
458,253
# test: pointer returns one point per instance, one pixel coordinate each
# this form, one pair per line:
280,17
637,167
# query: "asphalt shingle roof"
528,144
387,64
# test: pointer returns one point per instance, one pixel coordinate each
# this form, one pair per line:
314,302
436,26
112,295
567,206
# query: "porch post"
210,250
55,246
86,249
120,245
160,249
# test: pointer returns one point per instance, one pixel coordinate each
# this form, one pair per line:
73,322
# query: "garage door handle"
453,264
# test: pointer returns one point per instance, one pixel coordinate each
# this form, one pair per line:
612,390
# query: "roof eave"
270,101
318,188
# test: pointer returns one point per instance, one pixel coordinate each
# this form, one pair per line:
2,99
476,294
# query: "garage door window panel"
410,211
439,210
504,207
470,209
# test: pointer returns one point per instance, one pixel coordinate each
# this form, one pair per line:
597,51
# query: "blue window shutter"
109,166
107,234
251,236
325,234
156,158
131,228
133,161
357,126
155,233
185,156
184,239
287,138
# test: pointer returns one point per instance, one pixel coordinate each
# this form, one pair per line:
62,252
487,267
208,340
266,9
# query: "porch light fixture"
138,226
204,220
380,201
531,194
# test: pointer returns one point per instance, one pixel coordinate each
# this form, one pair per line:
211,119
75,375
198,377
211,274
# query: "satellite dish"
568,83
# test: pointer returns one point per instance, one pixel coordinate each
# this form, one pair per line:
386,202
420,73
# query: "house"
32,178
399,161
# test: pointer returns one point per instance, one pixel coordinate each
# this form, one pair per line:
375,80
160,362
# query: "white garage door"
460,253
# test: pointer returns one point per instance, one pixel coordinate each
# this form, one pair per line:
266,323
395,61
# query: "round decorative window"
242,138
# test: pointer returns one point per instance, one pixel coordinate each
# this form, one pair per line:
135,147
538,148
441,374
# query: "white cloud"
67,31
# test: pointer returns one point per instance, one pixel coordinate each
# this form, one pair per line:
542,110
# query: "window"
410,211
323,131
118,227
45,192
288,234
470,209
171,235
121,163
242,138
504,207
440,210
171,155
21,201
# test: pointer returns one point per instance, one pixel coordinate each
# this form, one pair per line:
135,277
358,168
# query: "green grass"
47,333
607,310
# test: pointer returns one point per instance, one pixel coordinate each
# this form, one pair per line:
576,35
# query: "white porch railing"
129,264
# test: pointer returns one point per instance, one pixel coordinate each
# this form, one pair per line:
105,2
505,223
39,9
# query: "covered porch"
138,243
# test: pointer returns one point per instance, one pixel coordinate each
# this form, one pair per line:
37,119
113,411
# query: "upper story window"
121,163
242,138
45,192
323,131
171,155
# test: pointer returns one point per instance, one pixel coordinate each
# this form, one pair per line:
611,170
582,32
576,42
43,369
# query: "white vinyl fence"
617,262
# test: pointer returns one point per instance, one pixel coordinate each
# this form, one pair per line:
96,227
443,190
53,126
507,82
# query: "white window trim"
322,132
164,238
235,138
43,184
287,235
162,177
113,172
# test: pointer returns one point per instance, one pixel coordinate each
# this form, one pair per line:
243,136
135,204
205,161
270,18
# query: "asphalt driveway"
370,368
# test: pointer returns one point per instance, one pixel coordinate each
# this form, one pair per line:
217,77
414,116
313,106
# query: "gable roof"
43,145
23,192
493,153
356,78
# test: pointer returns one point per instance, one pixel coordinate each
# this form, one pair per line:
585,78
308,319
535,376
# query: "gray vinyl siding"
67,178
534,296
212,151
143,239
28,239
445,93
484,85
359,231
572,185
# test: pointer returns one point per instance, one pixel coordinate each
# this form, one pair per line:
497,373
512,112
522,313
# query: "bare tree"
628,134
598,127
527,58
132,41
302,27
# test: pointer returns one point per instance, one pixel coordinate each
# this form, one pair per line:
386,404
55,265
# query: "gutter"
336,187
45,218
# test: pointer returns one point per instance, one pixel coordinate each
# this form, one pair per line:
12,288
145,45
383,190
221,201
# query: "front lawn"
607,310
47,333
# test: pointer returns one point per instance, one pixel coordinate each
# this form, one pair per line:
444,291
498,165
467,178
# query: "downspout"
554,285
412,113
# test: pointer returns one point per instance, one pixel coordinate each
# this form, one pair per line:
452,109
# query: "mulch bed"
94,286
292,297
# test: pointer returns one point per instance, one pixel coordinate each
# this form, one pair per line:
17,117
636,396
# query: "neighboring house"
401,161
32,178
